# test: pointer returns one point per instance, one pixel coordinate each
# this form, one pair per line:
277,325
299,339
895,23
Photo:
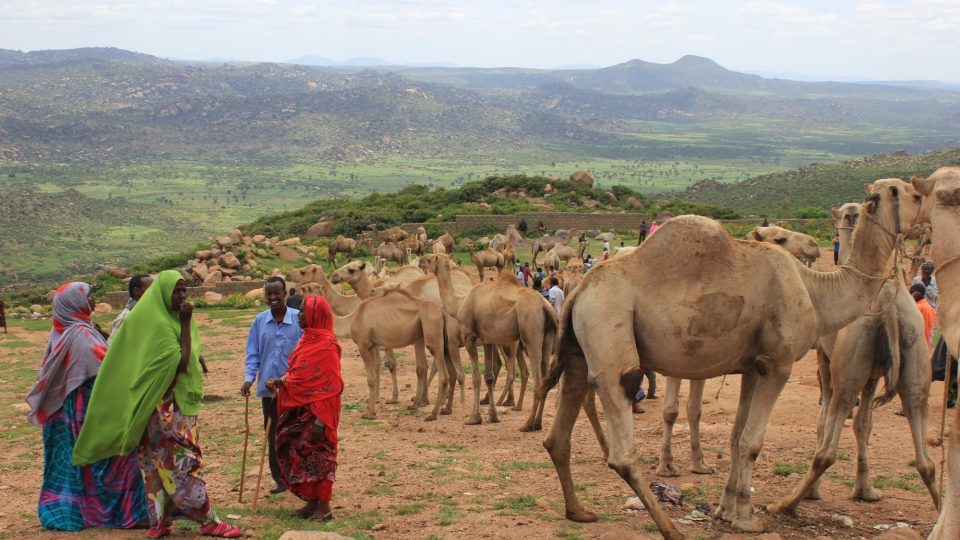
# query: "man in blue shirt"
273,336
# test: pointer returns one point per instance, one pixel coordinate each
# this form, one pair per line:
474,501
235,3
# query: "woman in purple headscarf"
107,493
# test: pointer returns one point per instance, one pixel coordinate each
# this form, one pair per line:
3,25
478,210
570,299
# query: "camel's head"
350,272
311,273
847,215
797,244
421,230
940,190
433,262
893,203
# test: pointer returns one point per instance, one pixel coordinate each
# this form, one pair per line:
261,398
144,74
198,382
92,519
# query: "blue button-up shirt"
269,346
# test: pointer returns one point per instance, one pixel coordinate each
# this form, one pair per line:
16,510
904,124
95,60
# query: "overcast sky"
880,39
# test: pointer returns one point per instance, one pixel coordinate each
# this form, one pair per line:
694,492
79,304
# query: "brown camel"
341,245
941,207
488,257
342,304
850,362
447,242
436,247
413,244
421,235
846,218
801,246
546,243
717,324
551,262
390,252
502,312
393,234
398,319
509,254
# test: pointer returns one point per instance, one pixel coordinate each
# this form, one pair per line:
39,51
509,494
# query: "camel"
487,258
413,244
447,241
393,234
341,245
502,312
513,235
355,273
551,261
848,364
509,254
437,247
941,201
801,246
398,319
846,218
564,253
613,321
390,252
546,243
421,235
342,304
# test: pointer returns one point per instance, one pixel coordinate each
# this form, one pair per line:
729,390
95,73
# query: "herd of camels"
860,319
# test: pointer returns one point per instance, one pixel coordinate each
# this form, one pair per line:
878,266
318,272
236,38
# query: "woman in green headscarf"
147,397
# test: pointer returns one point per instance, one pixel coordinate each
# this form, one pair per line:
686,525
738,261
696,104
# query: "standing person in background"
836,250
136,287
766,222
527,275
643,231
294,301
107,492
147,397
917,291
555,295
309,407
3,315
653,228
929,282
273,336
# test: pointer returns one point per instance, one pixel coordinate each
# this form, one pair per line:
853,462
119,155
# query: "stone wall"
119,299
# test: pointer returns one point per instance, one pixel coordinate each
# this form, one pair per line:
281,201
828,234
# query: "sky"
868,39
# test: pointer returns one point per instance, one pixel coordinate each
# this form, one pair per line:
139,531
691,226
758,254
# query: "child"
918,292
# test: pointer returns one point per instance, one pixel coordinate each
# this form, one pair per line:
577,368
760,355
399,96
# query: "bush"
233,301
812,212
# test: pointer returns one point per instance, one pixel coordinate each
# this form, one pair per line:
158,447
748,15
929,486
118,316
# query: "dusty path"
403,478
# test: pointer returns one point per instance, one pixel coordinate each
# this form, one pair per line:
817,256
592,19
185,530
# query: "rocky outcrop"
583,178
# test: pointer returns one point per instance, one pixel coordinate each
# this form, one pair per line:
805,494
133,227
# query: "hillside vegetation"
809,191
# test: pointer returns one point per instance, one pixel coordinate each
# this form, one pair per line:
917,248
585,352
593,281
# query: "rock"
229,260
625,535
262,253
275,239
224,241
267,244
287,254
102,309
247,239
295,241
583,178
313,535
212,298
119,273
236,236
253,264
843,520
22,310
21,408
323,227
902,533
215,253
632,202
37,308
303,249
548,188
201,271
213,279
258,238
378,527
592,233
634,503
613,198
202,255
228,272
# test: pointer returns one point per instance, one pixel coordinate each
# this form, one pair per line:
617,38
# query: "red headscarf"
313,372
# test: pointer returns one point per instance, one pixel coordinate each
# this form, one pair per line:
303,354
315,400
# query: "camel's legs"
419,353
590,408
862,426
371,362
726,509
524,377
915,409
470,343
573,388
764,396
485,400
509,353
491,369
948,525
538,347
433,337
391,363
694,411
671,409
826,394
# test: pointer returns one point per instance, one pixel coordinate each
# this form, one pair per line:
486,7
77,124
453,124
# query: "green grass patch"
523,465
408,509
448,515
380,490
906,481
521,504
834,477
446,447
786,469
15,344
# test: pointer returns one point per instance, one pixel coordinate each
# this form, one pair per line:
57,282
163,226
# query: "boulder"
592,233
102,309
22,310
303,249
583,178
262,253
247,239
212,298
213,279
252,263
275,239
236,236
323,227
119,273
228,272
201,271
287,254
229,260
613,198
267,244
295,241
632,202
257,238
900,533
224,241
37,308
215,253
202,255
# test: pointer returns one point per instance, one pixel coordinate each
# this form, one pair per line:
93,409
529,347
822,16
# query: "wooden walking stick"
263,455
246,439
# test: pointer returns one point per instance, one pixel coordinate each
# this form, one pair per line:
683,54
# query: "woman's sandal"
159,531
323,517
221,529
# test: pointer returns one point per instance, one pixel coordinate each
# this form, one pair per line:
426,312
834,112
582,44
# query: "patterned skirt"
173,467
108,493
308,467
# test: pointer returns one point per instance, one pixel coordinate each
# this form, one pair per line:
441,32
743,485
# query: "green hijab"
136,373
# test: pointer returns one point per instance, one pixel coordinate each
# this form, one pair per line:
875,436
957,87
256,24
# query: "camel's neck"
839,297
944,250
447,293
362,286
341,325
333,296
846,242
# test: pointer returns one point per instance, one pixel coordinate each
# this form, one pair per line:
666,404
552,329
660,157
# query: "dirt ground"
401,477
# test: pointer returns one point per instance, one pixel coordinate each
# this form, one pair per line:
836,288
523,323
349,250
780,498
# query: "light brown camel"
797,244
801,246
546,243
624,251
612,322
564,253
551,261
447,241
509,254
502,312
398,319
341,245
850,362
513,235
941,207
342,304
421,235
488,257
437,247
413,244
390,252
393,234
356,275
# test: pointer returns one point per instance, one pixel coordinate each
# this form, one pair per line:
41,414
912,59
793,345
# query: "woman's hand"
317,431
274,384
185,313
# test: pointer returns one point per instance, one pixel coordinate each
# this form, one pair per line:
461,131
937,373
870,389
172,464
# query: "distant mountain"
10,58
313,60
366,61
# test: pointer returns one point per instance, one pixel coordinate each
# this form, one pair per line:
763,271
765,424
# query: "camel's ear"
363,265
868,188
756,235
871,203
836,213
923,185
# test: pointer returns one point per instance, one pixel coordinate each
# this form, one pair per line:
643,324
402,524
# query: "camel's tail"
890,356
566,345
